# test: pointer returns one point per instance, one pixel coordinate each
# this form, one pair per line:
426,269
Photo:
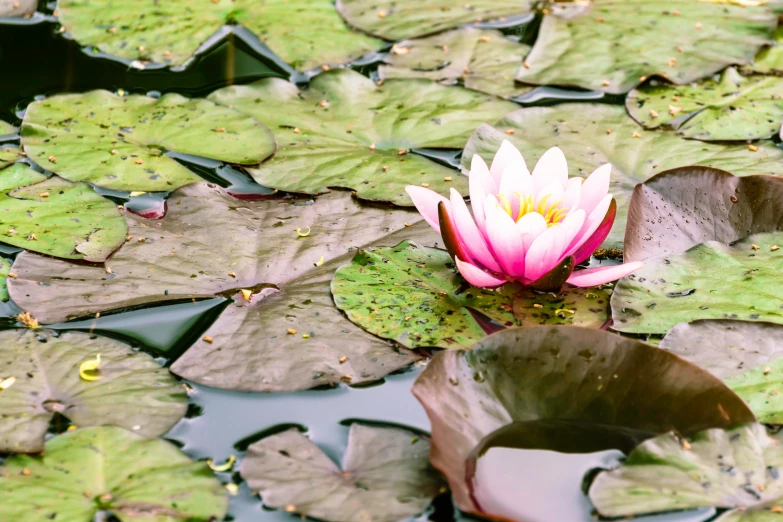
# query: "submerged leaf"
594,134
344,131
56,217
385,477
55,375
611,45
709,281
109,469
737,469
562,372
413,295
306,34
732,108
119,142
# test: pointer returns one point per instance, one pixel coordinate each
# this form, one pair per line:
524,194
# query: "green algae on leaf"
680,208
113,470
385,475
611,45
482,60
587,307
737,470
562,372
710,281
345,131
131,389
56,217
732,108
746,355
594,134
306,34
414,296
299,319
398,19
120,142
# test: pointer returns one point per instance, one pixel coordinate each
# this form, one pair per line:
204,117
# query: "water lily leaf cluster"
732,108
385,475
484,60
307,35
109,469
128,388
345,131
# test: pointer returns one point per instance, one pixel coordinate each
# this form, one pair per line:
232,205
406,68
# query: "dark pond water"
36,61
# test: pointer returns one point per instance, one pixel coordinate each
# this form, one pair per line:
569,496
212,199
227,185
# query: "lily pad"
483,60
9,155
732,108
109,469
56,217
5,268
735,469
16,8
562,372
587,307
770,59
131,390
119,142
593,134
398,19
608,45
746,355
6,128
386,475
305,35
414,296
299,319
345,131
709,281
680,208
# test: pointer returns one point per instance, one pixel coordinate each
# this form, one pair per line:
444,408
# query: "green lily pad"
300,319
346,132
386,475
483,60
119,142
680,208
609,45
593,134
6,128
732,108
745,354
305,35
56,217
8,155
414,296
735,469
5,268
132,390
770,59
398,19
562,372
587,307
113,470
17,8
709,281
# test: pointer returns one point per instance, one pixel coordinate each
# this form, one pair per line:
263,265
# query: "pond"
385,260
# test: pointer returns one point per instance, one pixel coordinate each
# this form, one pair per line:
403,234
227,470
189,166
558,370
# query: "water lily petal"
531,226
553,192
503,157
595,188
471,237
481,183
449,234
545,252
505,240
476,276
426,202
573,194
594,230
515,183
602,274
551,167
572,225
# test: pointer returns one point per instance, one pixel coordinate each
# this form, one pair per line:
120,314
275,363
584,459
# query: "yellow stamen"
506,204
542,204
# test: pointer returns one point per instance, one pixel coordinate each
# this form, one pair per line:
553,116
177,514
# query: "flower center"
553,212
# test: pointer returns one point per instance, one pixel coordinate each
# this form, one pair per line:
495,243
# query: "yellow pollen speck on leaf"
247,294
88,370
222,467
319,262
299,232
7,383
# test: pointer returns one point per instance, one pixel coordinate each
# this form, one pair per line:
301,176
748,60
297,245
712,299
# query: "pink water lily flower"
532,228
